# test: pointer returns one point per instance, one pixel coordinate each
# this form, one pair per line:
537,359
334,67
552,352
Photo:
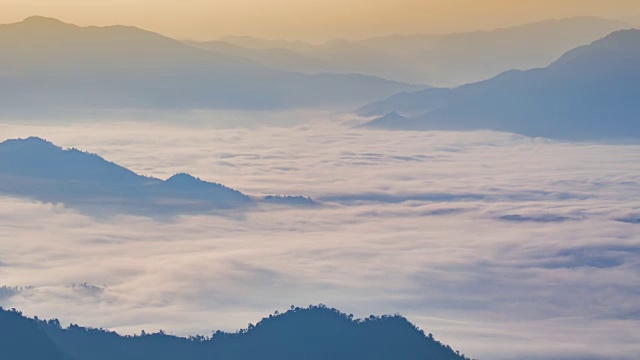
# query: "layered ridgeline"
313,333
35,168
47,65
591,92
442,60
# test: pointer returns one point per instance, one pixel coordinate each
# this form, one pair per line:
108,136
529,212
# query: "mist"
500,236
475,171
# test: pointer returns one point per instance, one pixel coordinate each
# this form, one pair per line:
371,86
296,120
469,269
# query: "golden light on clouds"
313,19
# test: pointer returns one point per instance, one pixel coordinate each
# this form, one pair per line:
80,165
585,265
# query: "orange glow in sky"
314,20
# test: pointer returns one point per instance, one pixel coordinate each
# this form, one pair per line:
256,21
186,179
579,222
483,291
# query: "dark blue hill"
314,333
24,339
591,92
38,169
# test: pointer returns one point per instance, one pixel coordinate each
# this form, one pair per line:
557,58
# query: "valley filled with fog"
501,244
483,184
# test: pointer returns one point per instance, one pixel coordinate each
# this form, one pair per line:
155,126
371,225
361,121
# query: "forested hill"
310,333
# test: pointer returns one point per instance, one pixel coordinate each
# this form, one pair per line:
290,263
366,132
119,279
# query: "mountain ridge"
312,333
589,93
36,168
49,66
442,60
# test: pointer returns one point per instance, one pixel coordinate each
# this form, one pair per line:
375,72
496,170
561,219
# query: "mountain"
24,339
313,333
409,103
456,59
258,43
37,158
289,200
443,60
387,120
591,92
336,56
50,66
38,169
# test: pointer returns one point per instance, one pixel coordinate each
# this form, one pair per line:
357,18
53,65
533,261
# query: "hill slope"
47,65
315,333
456,59
336,56
589,93
442,60
24,339
38,169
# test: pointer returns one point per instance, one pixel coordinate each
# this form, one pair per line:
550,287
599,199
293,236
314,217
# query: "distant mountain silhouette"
38,169
456,59
289,200
37,158
336,56
314,333
388,120
409,103
591,92
442,60
251,42
47,65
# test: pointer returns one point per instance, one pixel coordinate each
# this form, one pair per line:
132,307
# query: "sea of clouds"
503,246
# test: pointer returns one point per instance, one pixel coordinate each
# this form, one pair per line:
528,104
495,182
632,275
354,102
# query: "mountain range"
591,92
441,60
47,66
36,168
314,333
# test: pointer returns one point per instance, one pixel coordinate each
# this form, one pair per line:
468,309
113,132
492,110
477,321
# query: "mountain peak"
31,142
313,333
43,21
620,42
35,140
183,178
590,93
622,37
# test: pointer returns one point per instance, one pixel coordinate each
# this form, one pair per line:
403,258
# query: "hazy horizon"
315,21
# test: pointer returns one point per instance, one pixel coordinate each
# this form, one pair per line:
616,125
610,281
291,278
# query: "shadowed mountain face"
388,120
591,92
37,158
24,339
443,60
47,65
36,168
313,333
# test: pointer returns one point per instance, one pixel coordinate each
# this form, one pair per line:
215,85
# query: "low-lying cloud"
503,246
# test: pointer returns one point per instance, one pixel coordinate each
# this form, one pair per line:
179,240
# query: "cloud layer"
501,245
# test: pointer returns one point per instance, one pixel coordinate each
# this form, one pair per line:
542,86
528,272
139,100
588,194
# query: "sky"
313,20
